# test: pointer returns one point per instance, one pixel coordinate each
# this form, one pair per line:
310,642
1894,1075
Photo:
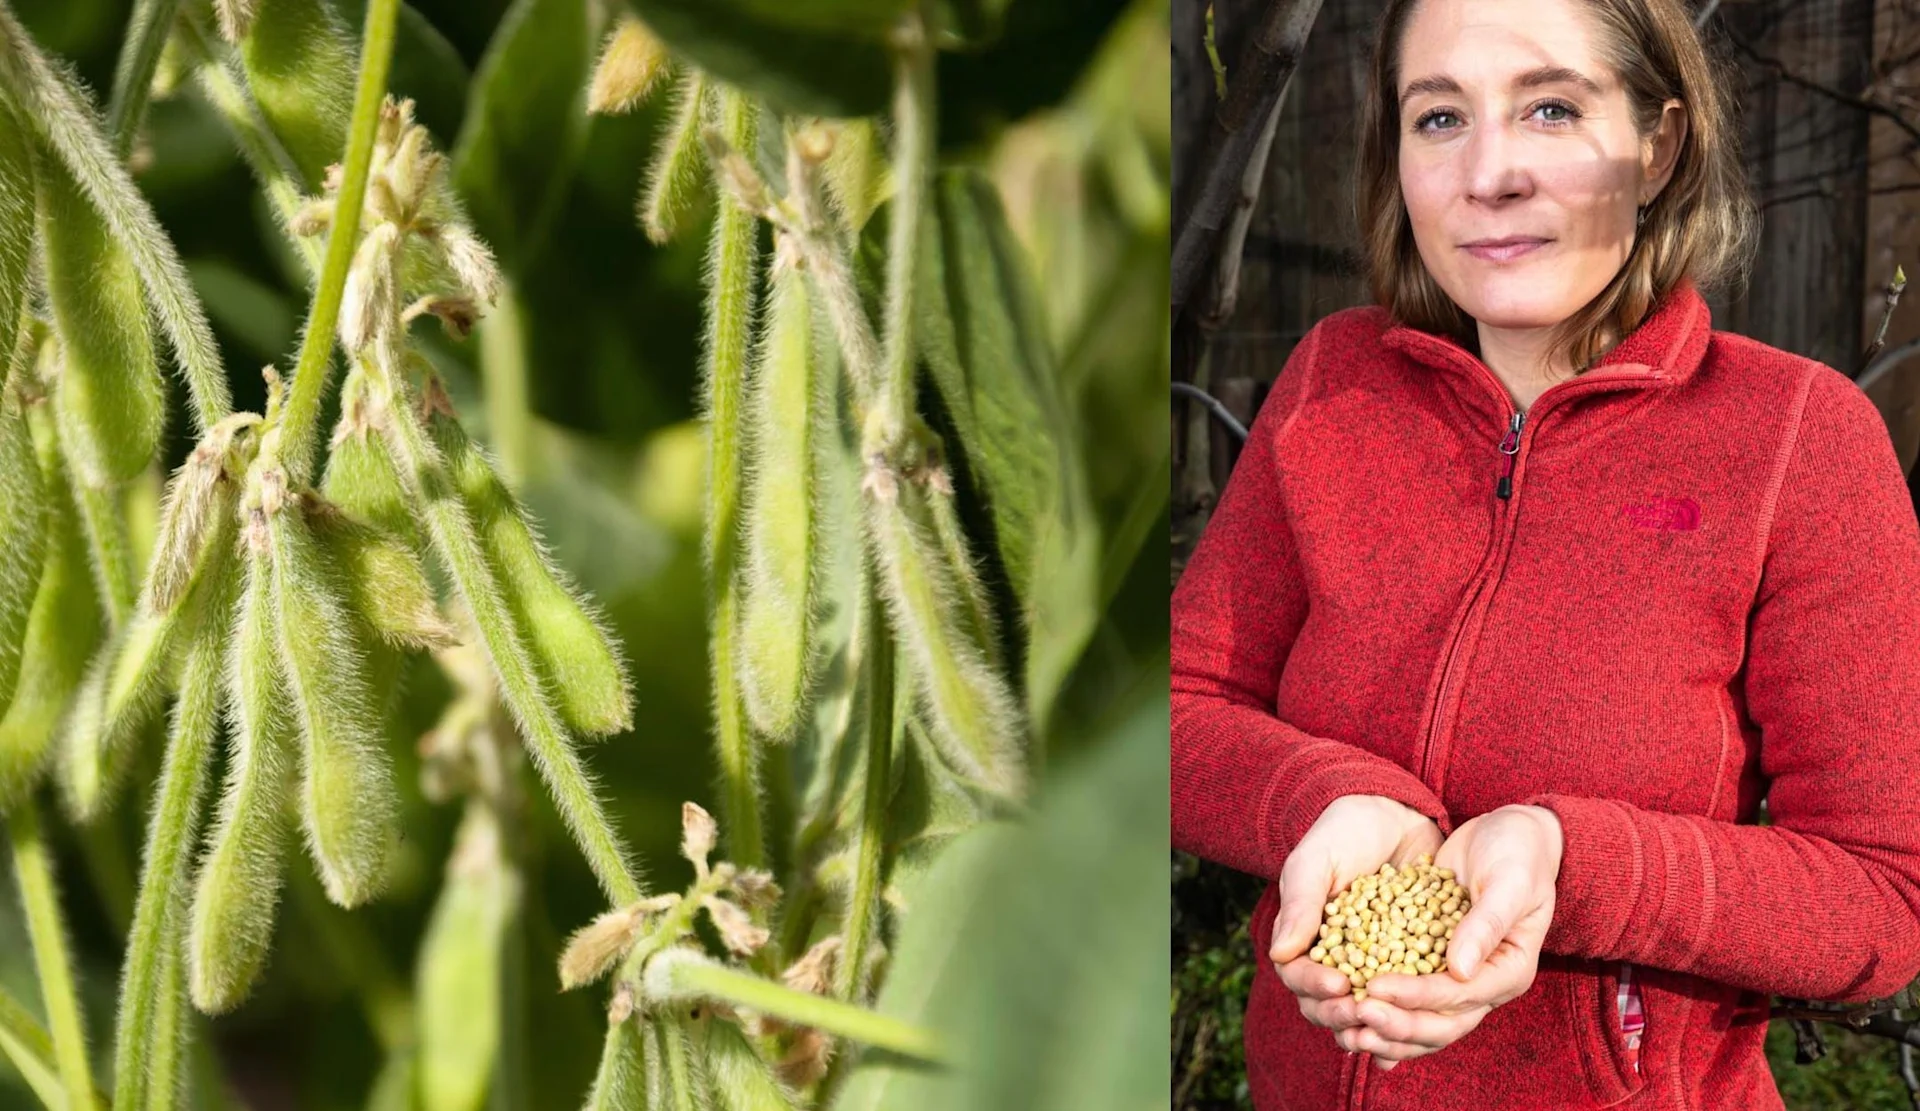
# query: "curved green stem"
873,814
170,836
52,960
503,373
682,974
729,320
301,414
913,133
25,1043
107,541
133,73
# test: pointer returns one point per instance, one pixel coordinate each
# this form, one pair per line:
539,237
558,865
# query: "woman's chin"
1516,306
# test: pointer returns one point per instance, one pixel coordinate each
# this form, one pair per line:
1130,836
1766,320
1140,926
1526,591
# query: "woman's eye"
1424,122
1566,114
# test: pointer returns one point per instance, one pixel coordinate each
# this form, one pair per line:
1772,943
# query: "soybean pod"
784,566
109,393
23,536
239,884
740,1077
676,175
620,1083
17,202
575,656
63,628
348,801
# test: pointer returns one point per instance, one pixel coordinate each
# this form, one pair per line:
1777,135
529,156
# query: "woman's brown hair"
1703,225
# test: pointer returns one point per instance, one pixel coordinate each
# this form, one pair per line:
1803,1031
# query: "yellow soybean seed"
1391,923
575,655
109,396
784,565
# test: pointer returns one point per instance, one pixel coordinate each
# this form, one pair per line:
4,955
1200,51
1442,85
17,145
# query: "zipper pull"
1510,446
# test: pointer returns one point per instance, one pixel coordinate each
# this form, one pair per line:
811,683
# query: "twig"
1224,295
1864,104
1263,70
1887,360
1894,288
1219,411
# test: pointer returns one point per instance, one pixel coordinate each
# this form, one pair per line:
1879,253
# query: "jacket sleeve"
1824,903
1246,785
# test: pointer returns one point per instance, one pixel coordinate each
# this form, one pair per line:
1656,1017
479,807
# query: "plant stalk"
52,960
26,1043
133,73
879,660
913,137
301,414
693,975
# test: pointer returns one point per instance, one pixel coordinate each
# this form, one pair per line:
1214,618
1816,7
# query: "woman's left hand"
1508,860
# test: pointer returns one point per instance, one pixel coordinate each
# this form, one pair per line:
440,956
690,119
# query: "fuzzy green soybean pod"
975,721
740,1077
109,395
577,658
349,805
63,629
360,477
788,408
24,505
300,66
620,1082
676,176
238,887
17,202
458,980
386,585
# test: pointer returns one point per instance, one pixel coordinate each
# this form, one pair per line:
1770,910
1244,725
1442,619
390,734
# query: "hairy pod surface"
975,722
676,177
620,1083
191,495
788,407
300,67
62,630
349,804
127,677
360,477
17,203
238,888
386,585
740,1077
24,507
575,656
109,394
460,967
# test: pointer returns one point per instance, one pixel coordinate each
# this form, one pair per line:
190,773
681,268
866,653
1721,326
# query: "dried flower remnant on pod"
1393,920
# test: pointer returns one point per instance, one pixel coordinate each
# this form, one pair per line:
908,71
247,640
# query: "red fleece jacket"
1702,587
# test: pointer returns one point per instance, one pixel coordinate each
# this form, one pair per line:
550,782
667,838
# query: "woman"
1528,568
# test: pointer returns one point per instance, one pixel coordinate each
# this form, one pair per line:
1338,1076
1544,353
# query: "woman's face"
1519,161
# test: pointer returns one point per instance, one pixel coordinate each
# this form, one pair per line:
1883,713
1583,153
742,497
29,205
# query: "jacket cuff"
1304,786
1603,870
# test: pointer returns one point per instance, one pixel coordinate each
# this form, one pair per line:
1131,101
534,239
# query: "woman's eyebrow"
1533,78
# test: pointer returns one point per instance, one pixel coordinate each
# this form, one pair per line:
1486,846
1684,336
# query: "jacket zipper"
1510,447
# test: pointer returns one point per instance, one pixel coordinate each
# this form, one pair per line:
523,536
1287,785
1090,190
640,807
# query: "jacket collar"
1667,348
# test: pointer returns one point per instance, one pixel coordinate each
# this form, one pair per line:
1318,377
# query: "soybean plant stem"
879,662
913,130
170,835
112,558
688,975
51,959
503,372
25,1043
133,73
300,417
424,473
729,324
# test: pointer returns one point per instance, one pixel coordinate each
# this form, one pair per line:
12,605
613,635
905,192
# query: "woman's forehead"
1496,43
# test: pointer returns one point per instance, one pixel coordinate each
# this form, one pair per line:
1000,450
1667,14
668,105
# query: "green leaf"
1060,920
525,120
825,59
981,334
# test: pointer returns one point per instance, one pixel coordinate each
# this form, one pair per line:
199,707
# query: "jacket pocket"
1593,1010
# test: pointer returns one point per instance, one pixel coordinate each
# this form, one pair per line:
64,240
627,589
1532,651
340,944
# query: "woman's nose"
1495,171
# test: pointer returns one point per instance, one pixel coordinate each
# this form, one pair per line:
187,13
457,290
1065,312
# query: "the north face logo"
1679,514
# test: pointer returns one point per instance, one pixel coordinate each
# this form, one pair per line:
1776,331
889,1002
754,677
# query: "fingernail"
1384,1064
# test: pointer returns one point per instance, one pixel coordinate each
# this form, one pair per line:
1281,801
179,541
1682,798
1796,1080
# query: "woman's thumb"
1297,923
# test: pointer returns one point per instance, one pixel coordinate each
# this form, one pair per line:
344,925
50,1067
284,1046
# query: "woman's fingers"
1502,977
1386,1054
1309,979
1305,882
1397,1025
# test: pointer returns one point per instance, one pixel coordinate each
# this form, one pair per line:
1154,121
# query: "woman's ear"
1661,153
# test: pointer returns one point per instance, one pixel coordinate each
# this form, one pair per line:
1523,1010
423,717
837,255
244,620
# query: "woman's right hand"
1353,836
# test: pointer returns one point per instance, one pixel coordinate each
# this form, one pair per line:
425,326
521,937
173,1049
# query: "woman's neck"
1521,360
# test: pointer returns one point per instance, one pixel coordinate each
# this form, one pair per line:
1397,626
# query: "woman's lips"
1504,250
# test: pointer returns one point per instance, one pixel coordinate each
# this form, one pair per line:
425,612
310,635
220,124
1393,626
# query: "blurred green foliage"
1064,110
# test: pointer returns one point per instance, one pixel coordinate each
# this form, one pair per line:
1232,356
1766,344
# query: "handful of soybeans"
1395,920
